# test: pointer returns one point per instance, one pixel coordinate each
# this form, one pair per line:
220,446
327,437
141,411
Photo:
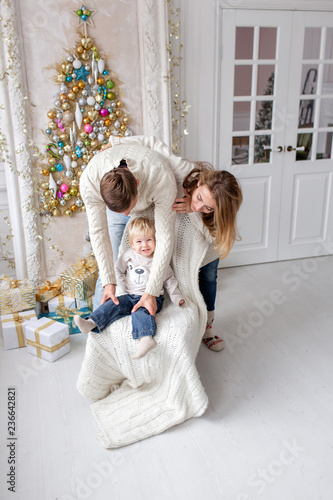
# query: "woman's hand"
109,294
106,146
147,301
183,205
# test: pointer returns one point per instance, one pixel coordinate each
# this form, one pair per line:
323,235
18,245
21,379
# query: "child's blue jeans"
143,323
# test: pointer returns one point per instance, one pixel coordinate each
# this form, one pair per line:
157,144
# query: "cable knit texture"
157,185
136,399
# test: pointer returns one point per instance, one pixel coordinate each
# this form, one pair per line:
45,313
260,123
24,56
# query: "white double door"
273,128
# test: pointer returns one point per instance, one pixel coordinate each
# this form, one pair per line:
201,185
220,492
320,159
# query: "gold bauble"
75,89
47,193
86,120
93,115
65,106
98,98
107,122
110,96
51,114
85,56
79,49
46,206
93,143
118,113
83,208
66,196
75,182
52,125
86,158
81,85
100,81
63,137
79,173
61,78
73,191
52,161
45,185
74,208
74,156
63,97
107,133
120,134
119,104
112,116
83,135
71,96
126,119
69,68
55,212
86,13
13,283
86,42
123,127
54,203
46,172
67,148
68,117
68,213
63,68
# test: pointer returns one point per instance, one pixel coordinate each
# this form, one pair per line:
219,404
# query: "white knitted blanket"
136,399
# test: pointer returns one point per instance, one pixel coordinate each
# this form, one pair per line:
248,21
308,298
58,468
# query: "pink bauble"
104,112
64,188
59,194
88,128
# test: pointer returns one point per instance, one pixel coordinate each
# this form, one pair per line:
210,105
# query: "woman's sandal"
214,343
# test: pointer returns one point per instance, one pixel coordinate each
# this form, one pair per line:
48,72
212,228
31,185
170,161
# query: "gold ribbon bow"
8,283
49,286
18,320
84,266
67,313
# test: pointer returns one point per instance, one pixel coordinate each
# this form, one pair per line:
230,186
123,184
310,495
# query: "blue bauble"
84,17
59,167
60,144
48,131
69,78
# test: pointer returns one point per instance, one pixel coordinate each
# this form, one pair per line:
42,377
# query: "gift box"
13,328
79,280
48,290
16,296
47,339
65,315
65,301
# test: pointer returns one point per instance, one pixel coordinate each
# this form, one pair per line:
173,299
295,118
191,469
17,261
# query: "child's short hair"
140,225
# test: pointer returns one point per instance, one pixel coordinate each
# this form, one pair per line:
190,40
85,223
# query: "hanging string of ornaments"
87,110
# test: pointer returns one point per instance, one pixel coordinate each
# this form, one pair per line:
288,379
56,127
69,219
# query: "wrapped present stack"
79,280
65,315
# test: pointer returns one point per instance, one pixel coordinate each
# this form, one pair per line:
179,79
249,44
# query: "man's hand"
147,301
109,294
183,205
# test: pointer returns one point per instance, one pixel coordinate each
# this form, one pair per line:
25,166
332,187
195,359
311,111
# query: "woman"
212,199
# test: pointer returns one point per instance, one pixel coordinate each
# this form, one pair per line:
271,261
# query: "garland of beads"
86,112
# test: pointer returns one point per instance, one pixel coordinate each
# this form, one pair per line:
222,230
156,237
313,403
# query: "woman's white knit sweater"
157,186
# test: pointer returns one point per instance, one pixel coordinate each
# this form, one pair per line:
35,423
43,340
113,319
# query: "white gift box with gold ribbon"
68,302
16,295
47,339
13,328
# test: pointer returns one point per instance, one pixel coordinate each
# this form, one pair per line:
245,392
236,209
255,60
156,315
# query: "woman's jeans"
116,226
143,323
208,283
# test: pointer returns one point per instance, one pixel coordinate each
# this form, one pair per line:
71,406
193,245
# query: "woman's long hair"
227,193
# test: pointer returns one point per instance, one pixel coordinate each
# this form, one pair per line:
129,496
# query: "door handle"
279,149
299,148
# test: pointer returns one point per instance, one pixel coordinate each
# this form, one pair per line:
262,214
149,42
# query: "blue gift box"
66,315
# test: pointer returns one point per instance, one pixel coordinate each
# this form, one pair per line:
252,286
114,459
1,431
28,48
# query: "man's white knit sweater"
157,186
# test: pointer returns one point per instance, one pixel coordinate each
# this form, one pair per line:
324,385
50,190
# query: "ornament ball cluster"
85,113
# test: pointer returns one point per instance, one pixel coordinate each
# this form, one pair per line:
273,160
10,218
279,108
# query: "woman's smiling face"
202,200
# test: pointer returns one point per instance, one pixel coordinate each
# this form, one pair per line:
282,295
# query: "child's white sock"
146,344
85,325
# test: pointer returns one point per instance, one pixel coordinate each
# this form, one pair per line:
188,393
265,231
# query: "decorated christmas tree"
87,110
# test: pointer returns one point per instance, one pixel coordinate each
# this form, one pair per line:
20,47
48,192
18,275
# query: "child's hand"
181,302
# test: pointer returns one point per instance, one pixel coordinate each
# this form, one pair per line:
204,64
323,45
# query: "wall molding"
152,25
311,5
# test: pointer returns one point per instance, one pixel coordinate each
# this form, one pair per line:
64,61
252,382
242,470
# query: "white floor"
267,433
